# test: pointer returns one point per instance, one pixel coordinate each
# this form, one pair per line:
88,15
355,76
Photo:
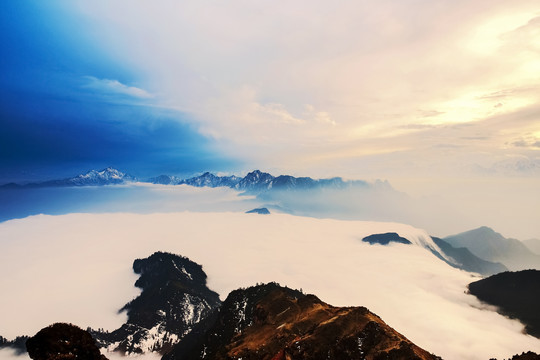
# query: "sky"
439,98
396,89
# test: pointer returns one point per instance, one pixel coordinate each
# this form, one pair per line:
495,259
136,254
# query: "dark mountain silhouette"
385,239
18,344
277,323
174,299
491,246
467,261
260,211
529,355
516,294
62,341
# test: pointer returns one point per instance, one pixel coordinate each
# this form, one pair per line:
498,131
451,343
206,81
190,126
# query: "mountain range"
489,245
107,176
257,181
254,182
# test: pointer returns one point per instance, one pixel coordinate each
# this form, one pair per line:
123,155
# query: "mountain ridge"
272,322
489,245
253,182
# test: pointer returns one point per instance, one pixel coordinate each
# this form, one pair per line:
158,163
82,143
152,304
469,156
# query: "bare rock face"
62,341
277,323
173,301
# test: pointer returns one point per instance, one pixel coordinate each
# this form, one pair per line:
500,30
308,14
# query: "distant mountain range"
460,258
258,181
467,261
107,176
254,182
489,245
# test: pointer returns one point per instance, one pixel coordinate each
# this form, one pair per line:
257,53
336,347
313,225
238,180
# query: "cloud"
364,69
108,86
414,292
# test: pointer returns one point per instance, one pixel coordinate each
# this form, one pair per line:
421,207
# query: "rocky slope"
273,322
174,299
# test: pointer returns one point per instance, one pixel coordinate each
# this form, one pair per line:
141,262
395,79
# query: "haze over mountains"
492,246
254,182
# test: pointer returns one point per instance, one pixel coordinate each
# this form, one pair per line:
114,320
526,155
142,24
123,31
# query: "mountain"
165,180
529,355
174,299
277,323
533,245
260,211
107,176
62,341
385,239
257,182
491,246
18,344
210,180
467,261
516,294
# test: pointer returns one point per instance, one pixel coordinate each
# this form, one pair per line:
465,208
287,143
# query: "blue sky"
66,106
396,90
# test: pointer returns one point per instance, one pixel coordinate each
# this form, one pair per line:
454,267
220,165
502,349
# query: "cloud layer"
78,268
314,85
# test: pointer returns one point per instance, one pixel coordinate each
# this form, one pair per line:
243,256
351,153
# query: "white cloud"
78,268
247,71
108,86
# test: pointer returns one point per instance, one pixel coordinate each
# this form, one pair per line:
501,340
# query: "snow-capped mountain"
173,301
102,177
210,180
107,176
254,182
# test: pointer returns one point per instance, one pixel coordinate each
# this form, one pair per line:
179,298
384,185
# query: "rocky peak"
277,323
173,301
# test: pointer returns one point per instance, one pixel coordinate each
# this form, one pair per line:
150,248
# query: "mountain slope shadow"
516,294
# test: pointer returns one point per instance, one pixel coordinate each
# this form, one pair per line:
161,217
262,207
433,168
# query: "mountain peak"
269,321
154,324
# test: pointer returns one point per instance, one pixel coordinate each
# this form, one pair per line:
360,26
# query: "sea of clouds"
77,268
